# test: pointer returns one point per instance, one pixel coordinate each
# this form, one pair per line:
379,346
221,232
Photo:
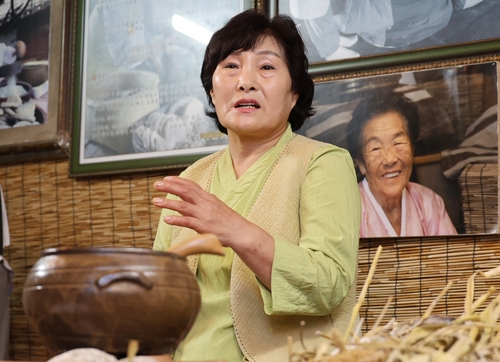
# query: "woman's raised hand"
199,210
205,213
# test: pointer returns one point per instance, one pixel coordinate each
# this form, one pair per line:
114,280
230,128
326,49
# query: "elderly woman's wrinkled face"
387,156
252,91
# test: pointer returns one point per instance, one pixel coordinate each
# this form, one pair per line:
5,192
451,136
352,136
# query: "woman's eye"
268,67
230,66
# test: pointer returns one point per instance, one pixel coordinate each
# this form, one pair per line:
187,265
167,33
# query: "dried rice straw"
362,295
473,337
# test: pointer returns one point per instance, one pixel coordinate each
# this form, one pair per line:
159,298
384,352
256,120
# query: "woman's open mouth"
247,105
391,174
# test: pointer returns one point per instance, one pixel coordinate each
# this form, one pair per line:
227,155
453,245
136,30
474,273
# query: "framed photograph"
444,159
138,102
32,47
351,35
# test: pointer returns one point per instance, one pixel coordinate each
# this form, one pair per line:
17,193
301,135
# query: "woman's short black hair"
243,32
378,104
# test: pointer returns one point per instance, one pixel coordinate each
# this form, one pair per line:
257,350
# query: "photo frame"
368,35
456,153
49,137
137,100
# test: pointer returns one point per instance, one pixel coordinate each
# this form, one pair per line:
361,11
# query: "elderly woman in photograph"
285,207
381,137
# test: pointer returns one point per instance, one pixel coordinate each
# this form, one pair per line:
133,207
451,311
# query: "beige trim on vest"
262,337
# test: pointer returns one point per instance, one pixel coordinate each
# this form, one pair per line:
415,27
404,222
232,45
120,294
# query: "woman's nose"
247,80
390,156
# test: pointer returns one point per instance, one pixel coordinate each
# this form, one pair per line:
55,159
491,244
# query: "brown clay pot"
34,73
105,297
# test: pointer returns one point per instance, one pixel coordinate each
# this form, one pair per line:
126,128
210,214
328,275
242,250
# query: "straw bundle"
473,335
414,270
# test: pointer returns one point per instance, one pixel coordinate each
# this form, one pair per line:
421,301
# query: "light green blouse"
326,258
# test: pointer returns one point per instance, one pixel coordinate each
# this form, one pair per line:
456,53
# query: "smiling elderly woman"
380,138
286,208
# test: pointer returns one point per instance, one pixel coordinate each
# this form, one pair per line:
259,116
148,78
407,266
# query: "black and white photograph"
141,96
349,29
31,52
451,144
24,56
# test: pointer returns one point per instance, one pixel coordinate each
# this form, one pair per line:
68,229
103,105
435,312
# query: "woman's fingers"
180,206
198,209
187,211
185,189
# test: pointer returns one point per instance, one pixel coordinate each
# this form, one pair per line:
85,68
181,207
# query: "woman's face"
252,91
387,156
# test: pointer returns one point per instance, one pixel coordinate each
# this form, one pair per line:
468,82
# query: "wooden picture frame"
438,37
137,102
50,138
453,157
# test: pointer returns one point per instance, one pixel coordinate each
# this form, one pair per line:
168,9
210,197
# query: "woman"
285,207
381,137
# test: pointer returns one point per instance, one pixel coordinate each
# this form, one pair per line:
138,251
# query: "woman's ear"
295,98
361,167
212,95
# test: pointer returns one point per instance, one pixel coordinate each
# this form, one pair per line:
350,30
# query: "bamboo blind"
48,209
479,191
